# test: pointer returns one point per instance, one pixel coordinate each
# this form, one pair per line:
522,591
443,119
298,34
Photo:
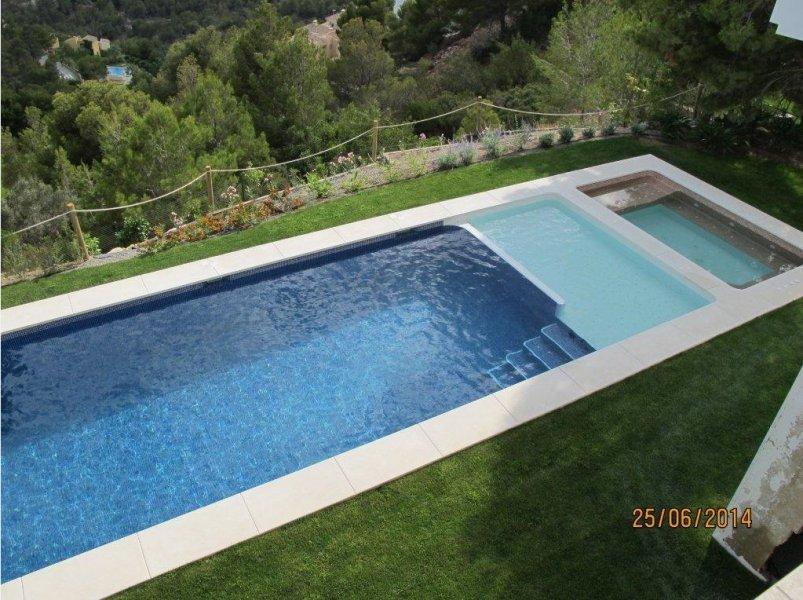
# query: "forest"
236,83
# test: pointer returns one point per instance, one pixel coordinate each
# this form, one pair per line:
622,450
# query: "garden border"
135,558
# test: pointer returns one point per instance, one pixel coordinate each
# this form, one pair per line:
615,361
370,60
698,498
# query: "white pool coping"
138,557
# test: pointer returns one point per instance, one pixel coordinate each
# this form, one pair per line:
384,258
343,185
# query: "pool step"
546,352
525,363
567,340
556,345
505,375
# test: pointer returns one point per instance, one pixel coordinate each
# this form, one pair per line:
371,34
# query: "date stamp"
650,517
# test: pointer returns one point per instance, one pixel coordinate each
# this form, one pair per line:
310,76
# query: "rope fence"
103,225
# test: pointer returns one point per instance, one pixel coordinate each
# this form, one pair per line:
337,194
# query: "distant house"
118,74
73,43
324,35
92,43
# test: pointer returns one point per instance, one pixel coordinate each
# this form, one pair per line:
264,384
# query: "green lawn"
774,188
544,510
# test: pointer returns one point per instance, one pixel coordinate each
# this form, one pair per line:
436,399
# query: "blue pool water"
708,250
120,421
116,71
610,291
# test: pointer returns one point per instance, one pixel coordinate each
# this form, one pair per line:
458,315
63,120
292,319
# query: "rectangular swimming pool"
126,417
735,252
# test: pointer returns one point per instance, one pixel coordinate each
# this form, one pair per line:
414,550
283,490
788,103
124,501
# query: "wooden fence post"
210,191
375,140
76,227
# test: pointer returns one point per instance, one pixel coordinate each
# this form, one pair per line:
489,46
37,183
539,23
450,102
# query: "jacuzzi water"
610,291
724,248
124,420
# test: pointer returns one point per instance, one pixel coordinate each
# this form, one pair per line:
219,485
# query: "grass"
777,189
544,511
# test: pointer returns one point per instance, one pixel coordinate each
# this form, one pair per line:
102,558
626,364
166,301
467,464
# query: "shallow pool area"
736,252
610,290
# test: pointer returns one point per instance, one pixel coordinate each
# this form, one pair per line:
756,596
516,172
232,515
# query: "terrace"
584,463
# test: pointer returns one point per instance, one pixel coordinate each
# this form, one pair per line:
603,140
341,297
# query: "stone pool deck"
133,559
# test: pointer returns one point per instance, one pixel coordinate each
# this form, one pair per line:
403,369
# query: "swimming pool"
129,416
610,291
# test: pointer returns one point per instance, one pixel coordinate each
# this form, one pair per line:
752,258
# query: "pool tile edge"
197,534
388,458
468,424
96,573
12,590
298,494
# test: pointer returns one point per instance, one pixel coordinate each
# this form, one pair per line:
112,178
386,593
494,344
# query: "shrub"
566,134
546,141
193,208
588,133
447,160
92,244
354,183
523,136
416,162
492,142
718,136
609,129
478,118
465,152
136,228
390,171
320,187
673,125
638,129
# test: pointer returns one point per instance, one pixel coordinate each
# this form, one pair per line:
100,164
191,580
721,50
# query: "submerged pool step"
525,363
505,375
546,352
556,345
565,339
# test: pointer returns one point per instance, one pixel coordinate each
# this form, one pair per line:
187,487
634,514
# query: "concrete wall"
772,488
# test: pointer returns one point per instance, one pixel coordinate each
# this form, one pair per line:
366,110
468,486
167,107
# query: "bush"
136,228
92,244
478,118
447,160
673,125
588,133
566,134
719,136
465,152
638,129
609,129
523,136
492,142
320,187
416,162
354,183
390,171
546,141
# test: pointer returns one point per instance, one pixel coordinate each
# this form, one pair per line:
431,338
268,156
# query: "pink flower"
423,136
